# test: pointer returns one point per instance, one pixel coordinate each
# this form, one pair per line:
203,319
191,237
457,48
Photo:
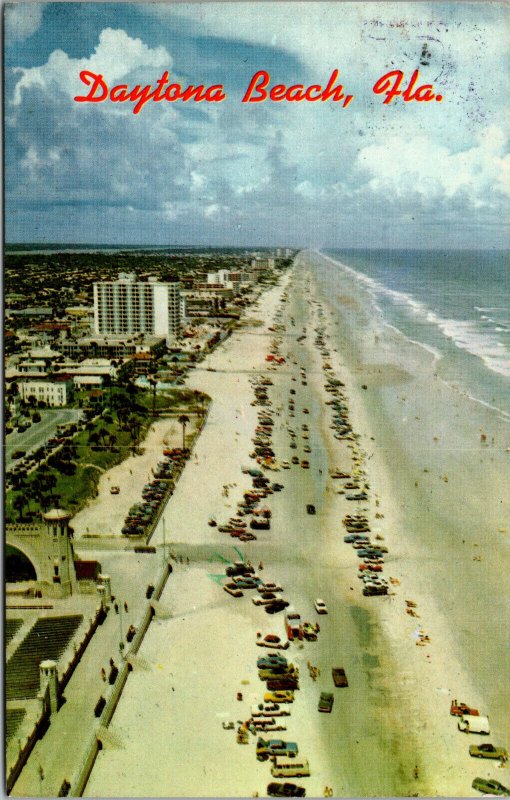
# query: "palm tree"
94,438
103,433
183,419
47,482
153,382
134,425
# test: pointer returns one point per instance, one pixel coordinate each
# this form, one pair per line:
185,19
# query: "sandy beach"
129,476
390,732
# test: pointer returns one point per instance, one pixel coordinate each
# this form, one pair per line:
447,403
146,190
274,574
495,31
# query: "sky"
404,174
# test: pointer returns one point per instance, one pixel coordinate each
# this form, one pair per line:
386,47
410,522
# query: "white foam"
462,333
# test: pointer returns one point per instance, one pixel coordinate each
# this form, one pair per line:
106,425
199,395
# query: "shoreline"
446,673
387,672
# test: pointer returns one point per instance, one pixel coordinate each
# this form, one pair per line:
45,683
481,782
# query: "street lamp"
121,642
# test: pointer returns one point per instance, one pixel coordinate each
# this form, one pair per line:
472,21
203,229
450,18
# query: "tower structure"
128,306
60,573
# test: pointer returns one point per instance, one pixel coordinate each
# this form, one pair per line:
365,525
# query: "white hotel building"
129,306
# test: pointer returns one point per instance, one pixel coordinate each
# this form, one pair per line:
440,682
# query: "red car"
459,709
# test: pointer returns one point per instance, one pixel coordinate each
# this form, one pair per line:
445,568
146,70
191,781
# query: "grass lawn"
95,457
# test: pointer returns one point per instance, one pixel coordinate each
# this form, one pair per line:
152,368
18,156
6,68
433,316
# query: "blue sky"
300,174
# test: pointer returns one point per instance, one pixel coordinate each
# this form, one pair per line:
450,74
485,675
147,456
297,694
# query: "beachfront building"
228,279
114,347
54,393
129,306
262,264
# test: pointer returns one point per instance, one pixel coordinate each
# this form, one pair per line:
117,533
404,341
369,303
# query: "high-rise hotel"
130,306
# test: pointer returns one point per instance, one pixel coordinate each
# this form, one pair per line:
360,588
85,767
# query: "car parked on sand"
310,509
369,567
275,606
275,789
350,538
490,786
326,701
309,632
232,589
272,641
474,724
265,599
488,751
372,590
269,586
369,552
272,659
320,606
269,710
239,568
339,677
459,709
246,581
279,696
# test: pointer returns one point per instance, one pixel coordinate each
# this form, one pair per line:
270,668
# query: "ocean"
454,304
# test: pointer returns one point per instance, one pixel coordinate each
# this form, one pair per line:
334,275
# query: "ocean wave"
465,336
491,308
463,333
428,348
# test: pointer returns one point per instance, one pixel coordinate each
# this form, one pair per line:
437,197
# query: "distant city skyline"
275,173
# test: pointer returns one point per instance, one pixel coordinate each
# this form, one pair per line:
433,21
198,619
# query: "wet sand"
390,732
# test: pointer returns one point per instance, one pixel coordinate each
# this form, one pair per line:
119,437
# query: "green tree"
153,383
134,426
94,438
18,505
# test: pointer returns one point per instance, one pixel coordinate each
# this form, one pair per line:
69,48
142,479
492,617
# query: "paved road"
39,432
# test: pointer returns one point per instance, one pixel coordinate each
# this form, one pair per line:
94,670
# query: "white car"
320,606
269,587
265,601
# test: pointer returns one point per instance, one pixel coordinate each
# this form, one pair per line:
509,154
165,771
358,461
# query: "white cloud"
214,210
115,57
22,20
402,167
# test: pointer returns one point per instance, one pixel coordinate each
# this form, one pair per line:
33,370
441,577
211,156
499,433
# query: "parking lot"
38,433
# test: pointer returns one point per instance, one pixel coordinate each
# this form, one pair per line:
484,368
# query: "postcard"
256,393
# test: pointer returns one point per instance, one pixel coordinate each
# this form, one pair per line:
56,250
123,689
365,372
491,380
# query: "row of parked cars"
142,514
26,461
372,554
471,721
